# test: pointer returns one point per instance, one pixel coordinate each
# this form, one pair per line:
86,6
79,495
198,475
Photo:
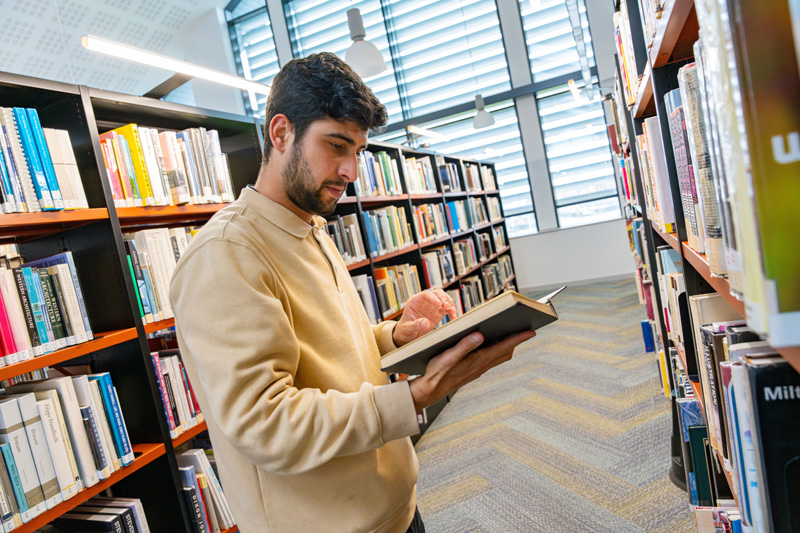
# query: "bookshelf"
95,237
659,58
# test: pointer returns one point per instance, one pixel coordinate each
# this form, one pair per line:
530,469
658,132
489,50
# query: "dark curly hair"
319,86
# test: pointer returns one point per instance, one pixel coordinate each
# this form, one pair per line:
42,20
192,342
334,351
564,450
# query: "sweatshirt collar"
278,214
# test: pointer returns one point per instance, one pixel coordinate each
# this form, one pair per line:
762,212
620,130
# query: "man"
308,433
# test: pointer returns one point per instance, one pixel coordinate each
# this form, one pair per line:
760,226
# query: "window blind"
255,53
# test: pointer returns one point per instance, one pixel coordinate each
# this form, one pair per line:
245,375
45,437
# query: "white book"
153,169
12,432
73,420
58,413
83,391
79,193
162,262
57,447
71,305
116,462
57,158
22,339
179,239
37,439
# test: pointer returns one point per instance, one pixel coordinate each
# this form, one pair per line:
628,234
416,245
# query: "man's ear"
281,132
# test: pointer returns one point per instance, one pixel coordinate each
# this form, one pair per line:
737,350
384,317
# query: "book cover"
116,421
134,504
54,439
497,319
44,157
11,518
32,159
16,483
124,514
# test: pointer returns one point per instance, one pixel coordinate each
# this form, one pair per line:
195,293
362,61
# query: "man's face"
321,164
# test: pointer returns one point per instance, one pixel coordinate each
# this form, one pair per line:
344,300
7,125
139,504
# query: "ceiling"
41,38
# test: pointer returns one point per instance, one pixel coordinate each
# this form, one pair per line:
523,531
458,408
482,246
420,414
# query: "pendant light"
363,56
483,119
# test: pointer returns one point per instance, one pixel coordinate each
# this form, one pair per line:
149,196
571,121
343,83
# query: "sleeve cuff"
385,341
396,410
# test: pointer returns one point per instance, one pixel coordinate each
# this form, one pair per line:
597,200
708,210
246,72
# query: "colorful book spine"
32,158
44,157
118,429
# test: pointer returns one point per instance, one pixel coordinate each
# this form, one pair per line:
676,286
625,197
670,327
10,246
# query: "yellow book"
131,133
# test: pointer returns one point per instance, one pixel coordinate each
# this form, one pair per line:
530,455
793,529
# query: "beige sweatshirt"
307,431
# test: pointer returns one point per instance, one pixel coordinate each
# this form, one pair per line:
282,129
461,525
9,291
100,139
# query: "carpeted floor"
572,435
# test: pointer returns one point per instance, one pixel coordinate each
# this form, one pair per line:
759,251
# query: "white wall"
572,255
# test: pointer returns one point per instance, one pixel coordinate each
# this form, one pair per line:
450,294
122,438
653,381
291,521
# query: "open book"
501,317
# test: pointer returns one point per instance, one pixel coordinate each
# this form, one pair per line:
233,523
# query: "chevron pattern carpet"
572,435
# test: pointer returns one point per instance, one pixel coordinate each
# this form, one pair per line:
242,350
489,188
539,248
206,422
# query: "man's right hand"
459,365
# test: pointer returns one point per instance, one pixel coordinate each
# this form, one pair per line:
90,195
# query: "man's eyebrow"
345,138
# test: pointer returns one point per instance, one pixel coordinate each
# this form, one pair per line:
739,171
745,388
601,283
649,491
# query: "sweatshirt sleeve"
237,338
383,336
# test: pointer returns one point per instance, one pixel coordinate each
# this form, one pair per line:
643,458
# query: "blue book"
148,285
67,259
37,308
451,207
32,159
101,461
647,334
16,483
373,246
116,421
44,157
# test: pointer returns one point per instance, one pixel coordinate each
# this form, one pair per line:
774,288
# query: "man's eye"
337,146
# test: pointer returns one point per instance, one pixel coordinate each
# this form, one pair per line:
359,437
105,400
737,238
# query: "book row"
177,395
38,171
42,308
147,168
57,437
379,175
103,513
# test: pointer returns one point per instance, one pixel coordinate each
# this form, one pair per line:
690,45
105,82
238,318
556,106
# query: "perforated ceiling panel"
34,42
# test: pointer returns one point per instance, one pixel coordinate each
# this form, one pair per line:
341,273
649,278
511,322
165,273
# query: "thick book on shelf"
496,319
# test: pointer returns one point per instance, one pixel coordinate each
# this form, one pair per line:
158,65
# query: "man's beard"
300,184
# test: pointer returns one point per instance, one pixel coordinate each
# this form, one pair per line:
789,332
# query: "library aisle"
571,435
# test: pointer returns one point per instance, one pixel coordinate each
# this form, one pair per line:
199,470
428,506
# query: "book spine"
162,387
14,144
32,159
106,434
36,310
115,415
180,425
138,278
194,505
66,257
93,435
51,307
42,459
16,483
131,133
44,157
57,448
63,280
61,304
135,290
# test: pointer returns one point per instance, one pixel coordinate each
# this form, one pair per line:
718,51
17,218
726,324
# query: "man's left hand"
422,312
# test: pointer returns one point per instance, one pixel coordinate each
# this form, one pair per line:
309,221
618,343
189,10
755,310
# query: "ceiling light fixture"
122,51
576,92
422,132
363,56
483,119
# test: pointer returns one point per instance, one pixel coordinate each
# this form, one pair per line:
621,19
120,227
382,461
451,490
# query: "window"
254,50
448,51
499,144
558,38
316,26
578,155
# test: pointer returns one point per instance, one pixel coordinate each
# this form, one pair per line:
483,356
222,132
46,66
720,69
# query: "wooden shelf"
189,433
45,222
146,453
425,196
476,193
470,270
490,258
498,221
670,29
383,199
354,266
131,216
482,226
461,234
435,241
509,280
698,396
406,250
101,341
728,476
721,285
671,238
347,200
450,283
503,250
644,99
492,191
233,529
455,194
158,326
791,354
394,315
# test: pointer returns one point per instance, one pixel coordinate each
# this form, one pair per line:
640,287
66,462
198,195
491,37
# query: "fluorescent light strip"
427,133
96,44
